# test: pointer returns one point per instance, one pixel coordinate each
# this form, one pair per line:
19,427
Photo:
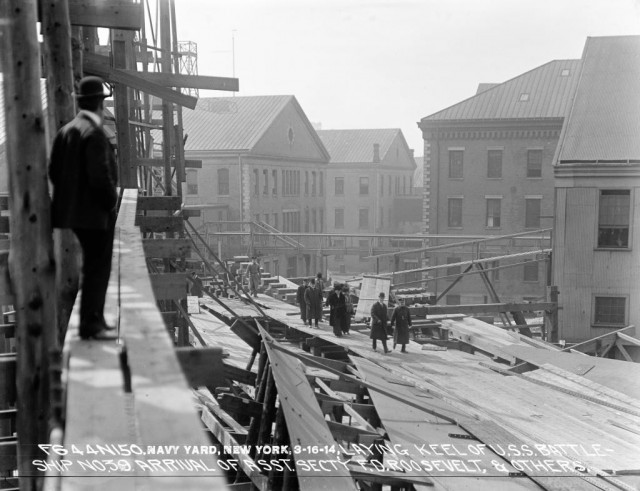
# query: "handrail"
272,230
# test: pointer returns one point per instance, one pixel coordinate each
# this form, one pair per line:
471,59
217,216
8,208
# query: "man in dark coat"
340,316
401,317
84,175
301,301
379,323
313,299
332,299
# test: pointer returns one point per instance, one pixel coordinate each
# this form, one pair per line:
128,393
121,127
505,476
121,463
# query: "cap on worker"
381,295
90,87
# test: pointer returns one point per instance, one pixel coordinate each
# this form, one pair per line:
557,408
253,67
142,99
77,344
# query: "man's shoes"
103,334
387,352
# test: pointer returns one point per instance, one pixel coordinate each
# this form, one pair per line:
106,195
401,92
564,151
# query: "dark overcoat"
301,301
313,299
84,176
340,316
401,318
378,321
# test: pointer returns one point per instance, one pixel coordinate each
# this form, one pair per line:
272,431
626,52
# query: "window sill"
495,178
536,177
531,282
493,228
456,178
455,228
608,326
613,249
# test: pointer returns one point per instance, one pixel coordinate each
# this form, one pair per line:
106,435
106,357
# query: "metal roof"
231,123
357,145
543,92
604,121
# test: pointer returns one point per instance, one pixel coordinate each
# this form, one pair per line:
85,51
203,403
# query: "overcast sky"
388,63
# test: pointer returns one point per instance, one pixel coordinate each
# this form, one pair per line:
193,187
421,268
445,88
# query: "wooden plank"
159,203
202,366
179,80
115,14
160,224
163,409
169,286
190,213
489,308
239,375
629,339
8,456
167,248
305,422
147,162
353,434
235,404
94,66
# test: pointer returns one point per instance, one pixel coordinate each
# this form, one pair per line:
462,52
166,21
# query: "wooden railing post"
31,262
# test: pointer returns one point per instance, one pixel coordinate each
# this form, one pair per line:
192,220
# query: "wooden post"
31,261
553,332
57,43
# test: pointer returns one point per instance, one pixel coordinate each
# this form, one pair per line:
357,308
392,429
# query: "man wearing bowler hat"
84,176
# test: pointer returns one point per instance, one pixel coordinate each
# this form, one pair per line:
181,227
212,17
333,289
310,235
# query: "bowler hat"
91,87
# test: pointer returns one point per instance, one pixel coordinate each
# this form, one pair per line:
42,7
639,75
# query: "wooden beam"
239,374
161,248
169,286
351,434
8,456
489,308
160,224
188,163
115,75
202,366
171,203
629,339
235,404
116,14
179,80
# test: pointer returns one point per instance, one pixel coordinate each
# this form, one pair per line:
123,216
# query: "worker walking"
84,175
301,301
313,299
379,323
253,273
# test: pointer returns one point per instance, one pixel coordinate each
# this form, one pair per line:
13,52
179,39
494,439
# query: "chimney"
376,152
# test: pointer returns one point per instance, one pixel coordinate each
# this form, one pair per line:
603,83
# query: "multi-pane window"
223,182
534,163
363,218
321,184
321,220
306,183
494,164
265,176
613,218
454,218
313,183
493,212
364,186
532,213
456,159
531,271
363,248
313,221
453,270
256,182
274,179
610,311
192,181
339,186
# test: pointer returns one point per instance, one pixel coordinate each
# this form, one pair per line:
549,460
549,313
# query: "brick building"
262,162
369,191
597,170
488,171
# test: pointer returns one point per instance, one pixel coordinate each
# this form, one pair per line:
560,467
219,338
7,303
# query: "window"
381,185
306,183
192,181
313,221
531,271
321,184
363,248
453,269
363,218
265,176
339,186
613,218
532,213
292,266
493,212
494,164
456,158
610,311
275,220
313,183
455,212
404,185
274,178
321,220
534,163
397,189
453,299
495,273
223,182
256,182
364,186
389,188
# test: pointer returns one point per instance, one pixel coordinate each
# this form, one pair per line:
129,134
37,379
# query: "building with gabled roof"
370,183
487,171
596,264
262,162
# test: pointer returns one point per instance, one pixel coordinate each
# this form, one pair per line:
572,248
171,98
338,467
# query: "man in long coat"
253,272
301,301
379,323
313,299
84,175
401,317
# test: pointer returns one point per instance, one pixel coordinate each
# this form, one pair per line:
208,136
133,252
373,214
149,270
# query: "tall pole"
31,260
167,107
58,59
